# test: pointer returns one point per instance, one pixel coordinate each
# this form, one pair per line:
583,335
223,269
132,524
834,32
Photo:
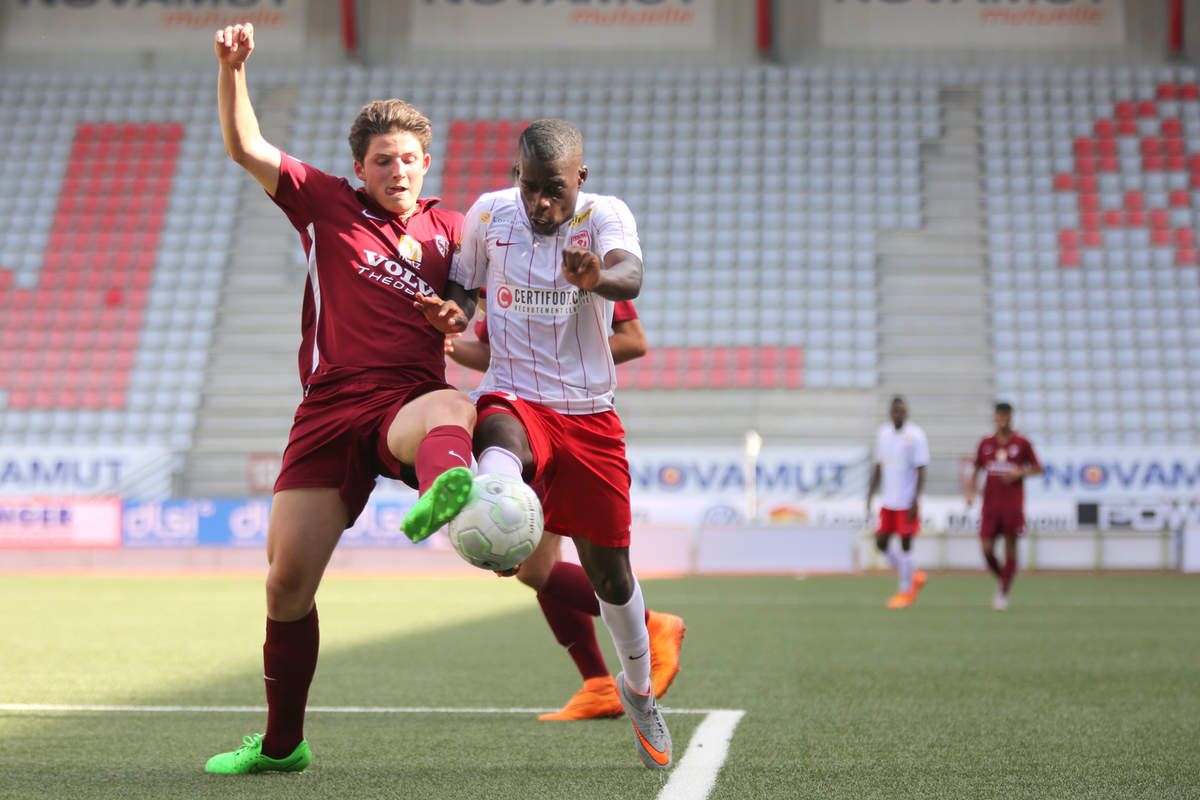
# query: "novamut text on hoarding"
564,24
1073,24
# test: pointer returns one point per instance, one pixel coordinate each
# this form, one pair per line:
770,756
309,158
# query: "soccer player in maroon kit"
1008,458
375,396
563,590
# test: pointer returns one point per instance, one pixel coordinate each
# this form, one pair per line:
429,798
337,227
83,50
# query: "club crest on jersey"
581,217
541,302
443,244
582,239
409,250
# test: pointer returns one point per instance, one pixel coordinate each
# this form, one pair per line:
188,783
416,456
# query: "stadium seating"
114,235
1092,210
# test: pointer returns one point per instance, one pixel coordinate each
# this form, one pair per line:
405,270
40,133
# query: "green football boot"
249,758
452,490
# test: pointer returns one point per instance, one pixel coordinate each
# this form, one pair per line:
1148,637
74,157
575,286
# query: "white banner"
1073,24
133,472
1107,472
56,522
108,26
564,24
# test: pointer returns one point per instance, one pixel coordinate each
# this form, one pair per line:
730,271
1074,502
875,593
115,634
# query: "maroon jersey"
365,267
999,459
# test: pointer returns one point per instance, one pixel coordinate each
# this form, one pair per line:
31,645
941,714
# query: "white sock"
906,572
498,461
892,559
627,626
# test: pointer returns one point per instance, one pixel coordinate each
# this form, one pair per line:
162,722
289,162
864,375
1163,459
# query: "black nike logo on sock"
635,658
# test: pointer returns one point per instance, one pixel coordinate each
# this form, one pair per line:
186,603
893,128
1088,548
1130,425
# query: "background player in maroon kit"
1008,458
564,592
376,400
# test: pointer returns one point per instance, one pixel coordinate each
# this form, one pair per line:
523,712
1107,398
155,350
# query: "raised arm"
618,277
239,126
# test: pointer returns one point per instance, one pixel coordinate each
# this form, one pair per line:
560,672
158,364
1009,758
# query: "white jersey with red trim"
549,339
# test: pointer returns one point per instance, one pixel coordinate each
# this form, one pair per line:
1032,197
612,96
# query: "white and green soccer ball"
501,525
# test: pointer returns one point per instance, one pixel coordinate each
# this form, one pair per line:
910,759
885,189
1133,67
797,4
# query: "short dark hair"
1003,408
550,140
898,398
386,116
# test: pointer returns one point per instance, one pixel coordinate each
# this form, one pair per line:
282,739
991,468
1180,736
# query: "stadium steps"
832,417
252,386
934,346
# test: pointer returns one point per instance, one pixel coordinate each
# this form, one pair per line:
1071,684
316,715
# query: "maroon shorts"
999,521
339,440
580,471
895,520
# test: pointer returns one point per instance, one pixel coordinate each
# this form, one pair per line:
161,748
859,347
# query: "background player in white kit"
553,260
901,455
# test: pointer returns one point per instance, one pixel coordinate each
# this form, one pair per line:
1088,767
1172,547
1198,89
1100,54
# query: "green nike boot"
249,758
452,490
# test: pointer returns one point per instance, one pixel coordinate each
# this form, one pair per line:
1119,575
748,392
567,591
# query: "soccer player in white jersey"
554,259
901,455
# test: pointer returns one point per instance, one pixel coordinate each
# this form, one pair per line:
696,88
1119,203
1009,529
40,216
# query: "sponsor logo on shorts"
541,302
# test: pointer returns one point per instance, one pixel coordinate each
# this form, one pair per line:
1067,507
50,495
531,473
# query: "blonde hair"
386,116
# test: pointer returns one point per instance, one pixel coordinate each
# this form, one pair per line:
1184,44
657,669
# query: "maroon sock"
569,584
1008,573
289,661
443,448
575,631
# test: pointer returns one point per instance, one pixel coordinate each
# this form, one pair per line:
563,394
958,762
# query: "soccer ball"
501,525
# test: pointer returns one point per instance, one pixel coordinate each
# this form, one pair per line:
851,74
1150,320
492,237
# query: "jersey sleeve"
468,268
980,461
920,455
302,190
623,311
615,227
1031,457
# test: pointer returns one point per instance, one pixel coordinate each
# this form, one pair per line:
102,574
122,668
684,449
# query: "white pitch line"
22,707
696,773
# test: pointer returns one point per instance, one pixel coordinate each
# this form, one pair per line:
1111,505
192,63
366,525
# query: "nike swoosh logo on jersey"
369,215
505,244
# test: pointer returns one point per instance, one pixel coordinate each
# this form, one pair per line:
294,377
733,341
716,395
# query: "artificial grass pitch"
1087,687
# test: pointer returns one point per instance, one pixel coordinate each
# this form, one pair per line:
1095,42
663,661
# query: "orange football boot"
666,640
919,581
900,600
598,698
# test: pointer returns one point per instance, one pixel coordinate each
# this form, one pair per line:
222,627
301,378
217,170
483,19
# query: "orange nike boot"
598,698
666,640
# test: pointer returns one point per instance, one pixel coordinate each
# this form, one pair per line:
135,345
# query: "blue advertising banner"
206,522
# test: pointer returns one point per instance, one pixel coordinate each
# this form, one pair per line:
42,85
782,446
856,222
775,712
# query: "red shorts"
895,520
580,470
998,521
339,440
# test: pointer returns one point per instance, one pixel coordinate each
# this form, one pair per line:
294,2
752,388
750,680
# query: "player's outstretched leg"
249,758
649,729
450,492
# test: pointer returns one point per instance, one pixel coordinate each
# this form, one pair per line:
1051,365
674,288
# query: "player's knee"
906,543
289,595
614,588
881,543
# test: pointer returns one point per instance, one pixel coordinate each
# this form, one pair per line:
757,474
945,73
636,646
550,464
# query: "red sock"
575,631
569,584
1008,573
289,661
443,448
